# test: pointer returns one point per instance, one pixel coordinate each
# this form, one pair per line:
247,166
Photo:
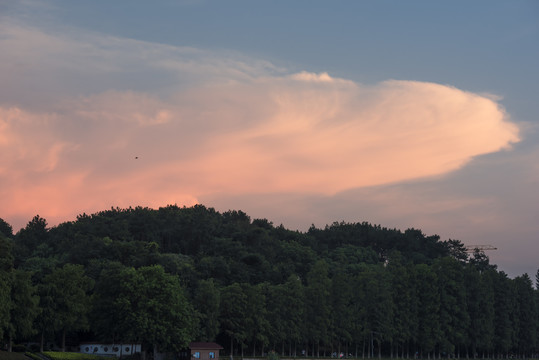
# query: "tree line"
173,275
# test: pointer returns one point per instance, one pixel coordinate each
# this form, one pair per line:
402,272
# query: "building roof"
204,346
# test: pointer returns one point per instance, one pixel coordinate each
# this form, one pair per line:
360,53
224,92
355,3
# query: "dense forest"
173,275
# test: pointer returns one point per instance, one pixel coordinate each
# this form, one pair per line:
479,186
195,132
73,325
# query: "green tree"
456,249
359,330
275,307
111,307
481,261
207,303
45,322
233,318
164,317
5,301
482,317
526,314
317,311
67,290
24,307
285,307
6,269
146,305
29,238
341,316
426,284
375,285
6,229
453,315
503,320
293,293
405,314
537,311
256,325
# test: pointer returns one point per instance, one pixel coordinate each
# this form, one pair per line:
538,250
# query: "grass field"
53,355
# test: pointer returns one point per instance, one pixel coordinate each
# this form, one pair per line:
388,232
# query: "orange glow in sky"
302,135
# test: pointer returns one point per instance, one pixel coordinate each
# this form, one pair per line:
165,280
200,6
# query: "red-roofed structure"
205,350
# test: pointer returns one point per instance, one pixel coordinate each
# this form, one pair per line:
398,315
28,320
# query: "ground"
12,356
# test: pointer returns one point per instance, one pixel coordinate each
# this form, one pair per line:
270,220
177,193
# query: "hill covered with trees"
173,275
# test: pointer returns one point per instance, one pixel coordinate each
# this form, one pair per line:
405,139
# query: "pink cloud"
298,138
224,125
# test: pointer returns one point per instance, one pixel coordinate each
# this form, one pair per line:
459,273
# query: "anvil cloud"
187,123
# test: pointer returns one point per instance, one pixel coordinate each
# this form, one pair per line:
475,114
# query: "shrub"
273,355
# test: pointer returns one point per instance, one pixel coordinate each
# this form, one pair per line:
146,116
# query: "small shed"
204,350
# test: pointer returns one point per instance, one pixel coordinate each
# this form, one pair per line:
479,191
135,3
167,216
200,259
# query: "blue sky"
405,114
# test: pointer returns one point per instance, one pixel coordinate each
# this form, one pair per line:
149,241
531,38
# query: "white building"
109,349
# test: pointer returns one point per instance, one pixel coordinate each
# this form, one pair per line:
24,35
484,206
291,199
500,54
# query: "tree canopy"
173,275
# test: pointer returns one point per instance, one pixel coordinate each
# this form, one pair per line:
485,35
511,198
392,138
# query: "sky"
415,114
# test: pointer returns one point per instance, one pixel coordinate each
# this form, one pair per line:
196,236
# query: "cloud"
92,122
307,76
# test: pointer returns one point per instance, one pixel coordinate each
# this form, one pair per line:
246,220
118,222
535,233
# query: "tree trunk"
42,340
142,352
231,347
64,340
289,349
363,356
10,344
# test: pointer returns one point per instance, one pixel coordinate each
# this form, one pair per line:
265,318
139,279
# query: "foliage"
6,265
24,306
144,304
66,290
168,276
207,302
272,355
